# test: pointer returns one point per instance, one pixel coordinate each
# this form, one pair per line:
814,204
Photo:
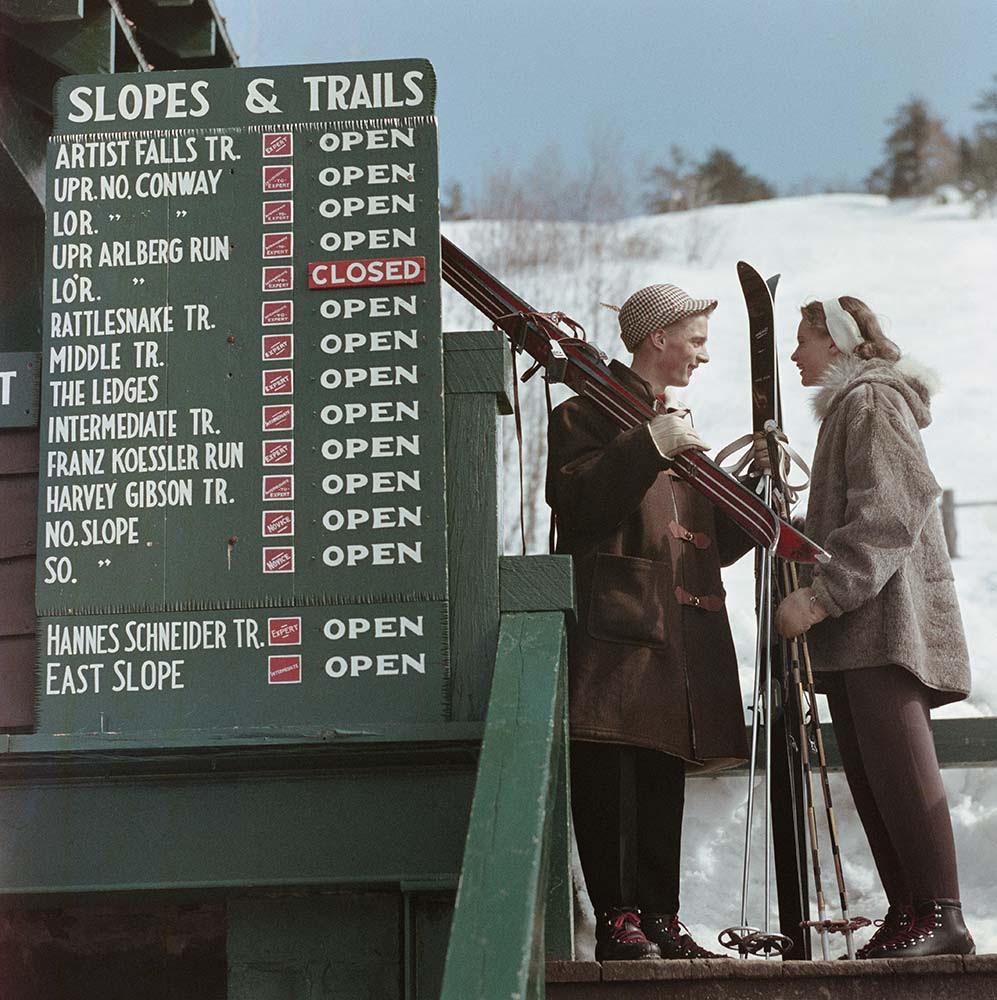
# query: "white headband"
841,326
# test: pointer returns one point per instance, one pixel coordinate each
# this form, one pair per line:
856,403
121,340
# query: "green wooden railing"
514,899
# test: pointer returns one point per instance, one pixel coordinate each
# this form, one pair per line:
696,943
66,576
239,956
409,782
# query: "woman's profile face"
815,352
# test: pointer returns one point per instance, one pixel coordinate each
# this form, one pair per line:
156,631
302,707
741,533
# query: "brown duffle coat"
873,506
650,658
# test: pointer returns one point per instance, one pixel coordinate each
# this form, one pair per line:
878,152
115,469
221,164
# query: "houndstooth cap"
655,307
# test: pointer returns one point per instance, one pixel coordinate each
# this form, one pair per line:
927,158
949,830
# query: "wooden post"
948,522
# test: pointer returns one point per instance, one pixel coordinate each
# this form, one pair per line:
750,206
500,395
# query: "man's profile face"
683,350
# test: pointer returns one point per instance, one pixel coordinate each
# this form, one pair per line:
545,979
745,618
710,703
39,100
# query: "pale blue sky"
796,90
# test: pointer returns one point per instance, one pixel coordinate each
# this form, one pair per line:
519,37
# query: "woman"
887,639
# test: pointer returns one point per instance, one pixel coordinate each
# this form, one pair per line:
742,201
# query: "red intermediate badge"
279,417
278,488
284,669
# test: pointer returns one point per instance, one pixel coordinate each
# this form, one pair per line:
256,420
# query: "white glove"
798,612
671,434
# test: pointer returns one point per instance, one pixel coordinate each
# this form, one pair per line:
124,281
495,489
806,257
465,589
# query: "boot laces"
679,933
888,930
626,928
913,931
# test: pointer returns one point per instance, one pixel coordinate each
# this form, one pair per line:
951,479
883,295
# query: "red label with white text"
278,559
277,211
278,382
278,245
284,631
278,346
277,279
279,313
326,274
277,144
279,417
278,178
278,522
284,669
278,488
278,452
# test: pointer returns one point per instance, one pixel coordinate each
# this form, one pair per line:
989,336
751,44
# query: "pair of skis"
792,735
567,358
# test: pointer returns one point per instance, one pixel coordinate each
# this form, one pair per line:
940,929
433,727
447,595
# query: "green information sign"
242,392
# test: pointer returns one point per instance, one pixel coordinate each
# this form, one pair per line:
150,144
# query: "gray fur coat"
873,506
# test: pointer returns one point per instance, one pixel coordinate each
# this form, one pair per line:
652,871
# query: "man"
653,676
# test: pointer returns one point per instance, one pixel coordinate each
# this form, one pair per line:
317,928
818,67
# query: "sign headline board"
241,404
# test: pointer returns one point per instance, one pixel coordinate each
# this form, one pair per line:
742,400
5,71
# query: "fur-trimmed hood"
917,383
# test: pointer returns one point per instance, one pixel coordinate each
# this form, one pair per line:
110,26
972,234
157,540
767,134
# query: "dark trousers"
627,805
883,728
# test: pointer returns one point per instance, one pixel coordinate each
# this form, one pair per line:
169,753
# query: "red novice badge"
284,631
326,274
277,279
278,346
278,452
278,522
277,144
279,417
278,488
278,245
278,559
278,178
278,382
277,211
284,669
279,313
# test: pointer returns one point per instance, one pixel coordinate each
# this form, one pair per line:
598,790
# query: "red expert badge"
284,631
276,245
279,313
278,346
277,144
277,279
278,382
278,178
278,487
279,451
277,211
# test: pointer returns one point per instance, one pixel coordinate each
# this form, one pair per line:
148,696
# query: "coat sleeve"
890,492
596,478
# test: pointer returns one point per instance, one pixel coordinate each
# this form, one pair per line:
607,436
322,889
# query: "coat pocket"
630,600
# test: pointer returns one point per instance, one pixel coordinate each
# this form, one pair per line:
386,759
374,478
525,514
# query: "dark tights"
883,729
627,805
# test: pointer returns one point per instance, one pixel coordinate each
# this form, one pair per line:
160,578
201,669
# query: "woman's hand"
798,612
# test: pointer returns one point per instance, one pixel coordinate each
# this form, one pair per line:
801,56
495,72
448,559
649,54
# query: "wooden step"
947,977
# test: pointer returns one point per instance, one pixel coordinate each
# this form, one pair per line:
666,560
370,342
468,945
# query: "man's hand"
760,453
798,612
671,434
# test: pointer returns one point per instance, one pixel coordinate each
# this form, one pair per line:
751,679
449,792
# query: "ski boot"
618,936
937,929
673,938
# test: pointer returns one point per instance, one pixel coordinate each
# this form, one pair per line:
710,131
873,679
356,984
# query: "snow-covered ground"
929,270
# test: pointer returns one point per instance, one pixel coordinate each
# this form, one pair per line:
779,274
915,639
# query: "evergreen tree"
727,182
920,155
981,170
682,184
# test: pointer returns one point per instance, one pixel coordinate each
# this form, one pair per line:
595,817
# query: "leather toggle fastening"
708,602
683,534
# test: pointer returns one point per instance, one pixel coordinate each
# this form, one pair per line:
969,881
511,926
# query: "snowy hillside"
929,271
